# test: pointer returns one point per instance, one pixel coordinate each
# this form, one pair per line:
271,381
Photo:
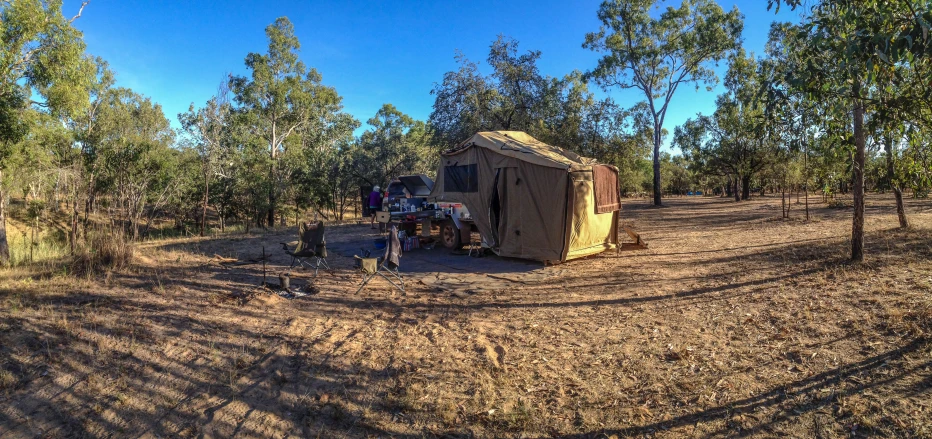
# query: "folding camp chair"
311,249
386,266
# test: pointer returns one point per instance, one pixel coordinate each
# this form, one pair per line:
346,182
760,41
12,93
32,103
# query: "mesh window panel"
463,178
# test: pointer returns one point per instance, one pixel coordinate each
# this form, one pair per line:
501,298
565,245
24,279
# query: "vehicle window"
396,190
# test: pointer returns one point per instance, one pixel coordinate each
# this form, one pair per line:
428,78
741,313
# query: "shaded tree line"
839,102
269,145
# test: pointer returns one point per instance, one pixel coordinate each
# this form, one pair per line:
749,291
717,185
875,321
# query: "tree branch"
80,11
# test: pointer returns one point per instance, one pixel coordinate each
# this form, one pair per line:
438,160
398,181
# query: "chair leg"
365,280
401,287
304,263
400,279
320,261
396,275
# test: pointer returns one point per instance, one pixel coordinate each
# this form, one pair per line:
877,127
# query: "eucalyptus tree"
914,168
462,103
40,161
572,117
735,140
316,182
887,128
84,125
135,155
396,144
657,55
794,117
559,111
41,55
280,96
857,53
509,99
207,129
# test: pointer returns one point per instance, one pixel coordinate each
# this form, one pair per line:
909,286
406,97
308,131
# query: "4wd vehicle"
456,224
396,192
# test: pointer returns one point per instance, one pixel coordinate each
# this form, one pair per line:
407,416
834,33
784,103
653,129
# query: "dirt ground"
733,323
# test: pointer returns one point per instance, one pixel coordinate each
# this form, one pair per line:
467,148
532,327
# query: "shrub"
103,251
840,204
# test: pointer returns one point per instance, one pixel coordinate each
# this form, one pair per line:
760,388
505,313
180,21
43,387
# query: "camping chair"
386,266
311,250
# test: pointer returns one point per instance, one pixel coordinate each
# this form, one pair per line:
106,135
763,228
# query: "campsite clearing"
732,322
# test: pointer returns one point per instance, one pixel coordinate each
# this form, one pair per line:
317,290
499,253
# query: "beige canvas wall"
589,232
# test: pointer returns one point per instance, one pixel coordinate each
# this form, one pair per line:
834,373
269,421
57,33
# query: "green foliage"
558,111
395,145
281,105
41,52
41,55
509,99
735,142
657,55
677,177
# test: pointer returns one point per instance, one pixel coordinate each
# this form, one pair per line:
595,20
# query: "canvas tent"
529,199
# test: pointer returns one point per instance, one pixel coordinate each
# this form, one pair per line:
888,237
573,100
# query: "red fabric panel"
605,186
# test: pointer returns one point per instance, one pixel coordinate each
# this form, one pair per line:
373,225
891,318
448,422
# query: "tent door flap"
495,209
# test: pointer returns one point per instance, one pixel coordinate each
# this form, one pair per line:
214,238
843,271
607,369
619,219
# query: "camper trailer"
528,199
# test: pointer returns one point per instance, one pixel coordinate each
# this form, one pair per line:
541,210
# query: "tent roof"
523,147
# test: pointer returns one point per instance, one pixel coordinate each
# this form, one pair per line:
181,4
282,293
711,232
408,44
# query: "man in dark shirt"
375,204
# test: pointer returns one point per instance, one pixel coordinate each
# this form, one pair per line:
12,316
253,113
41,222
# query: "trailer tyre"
450,235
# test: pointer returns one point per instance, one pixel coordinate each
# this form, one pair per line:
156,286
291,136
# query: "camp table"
423,217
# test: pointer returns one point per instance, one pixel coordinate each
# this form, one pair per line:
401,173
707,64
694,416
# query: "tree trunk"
74,219
32,241
736,190
891,178
857,225
270,220
806,188
4,245
900,209
204,211
783,200
746,187
657,138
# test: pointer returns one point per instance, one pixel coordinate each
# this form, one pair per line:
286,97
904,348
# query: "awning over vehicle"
417,185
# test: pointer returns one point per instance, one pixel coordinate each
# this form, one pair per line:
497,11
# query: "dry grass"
733,323
102,252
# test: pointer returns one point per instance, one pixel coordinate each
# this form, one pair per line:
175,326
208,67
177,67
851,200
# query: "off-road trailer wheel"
450,235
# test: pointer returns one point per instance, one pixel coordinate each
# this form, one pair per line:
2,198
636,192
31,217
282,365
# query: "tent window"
464,178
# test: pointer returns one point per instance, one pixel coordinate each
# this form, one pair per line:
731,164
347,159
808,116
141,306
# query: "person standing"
375,203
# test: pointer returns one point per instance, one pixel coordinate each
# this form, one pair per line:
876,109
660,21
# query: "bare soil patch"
733,323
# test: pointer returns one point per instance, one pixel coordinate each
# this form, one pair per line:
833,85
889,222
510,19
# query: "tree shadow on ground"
140,368
806,396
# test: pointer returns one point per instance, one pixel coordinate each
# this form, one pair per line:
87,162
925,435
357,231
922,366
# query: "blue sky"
372,52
